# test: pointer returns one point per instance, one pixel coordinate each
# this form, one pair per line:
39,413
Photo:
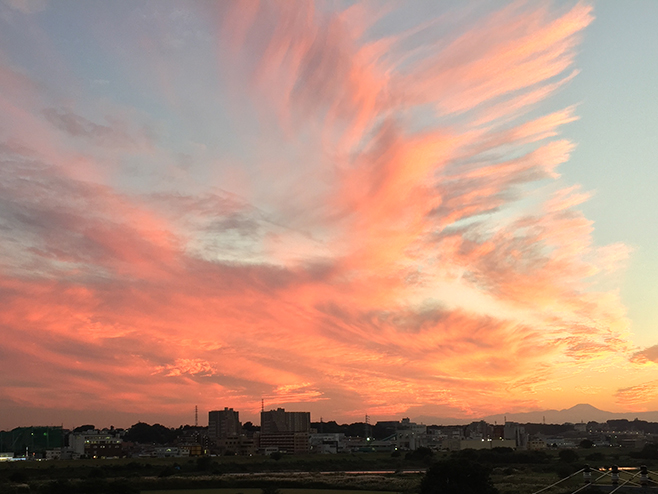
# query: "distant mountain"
578,413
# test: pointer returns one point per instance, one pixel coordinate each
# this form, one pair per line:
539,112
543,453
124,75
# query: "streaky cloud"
388,231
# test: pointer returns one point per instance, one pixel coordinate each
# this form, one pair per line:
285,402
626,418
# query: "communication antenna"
262,405
196,416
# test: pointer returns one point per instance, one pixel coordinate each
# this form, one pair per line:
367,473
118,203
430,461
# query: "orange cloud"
377,260
636,396
645,356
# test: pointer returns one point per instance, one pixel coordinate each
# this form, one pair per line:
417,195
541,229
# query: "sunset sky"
423,209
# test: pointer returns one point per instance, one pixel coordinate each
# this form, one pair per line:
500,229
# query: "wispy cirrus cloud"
636,397
115,133
193,367
27,6
389,233
646,355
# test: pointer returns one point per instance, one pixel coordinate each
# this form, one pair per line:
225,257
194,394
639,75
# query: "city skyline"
219,425
423,210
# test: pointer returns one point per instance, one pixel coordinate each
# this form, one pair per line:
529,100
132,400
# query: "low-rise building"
96,444
171,452
193,449
286,442
241,445
536,444
327,443
54,454
461,444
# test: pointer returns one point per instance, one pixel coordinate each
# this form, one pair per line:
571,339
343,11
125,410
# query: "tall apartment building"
224,423
285,431
277,421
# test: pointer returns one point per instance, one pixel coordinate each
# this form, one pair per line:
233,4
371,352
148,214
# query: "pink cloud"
420,279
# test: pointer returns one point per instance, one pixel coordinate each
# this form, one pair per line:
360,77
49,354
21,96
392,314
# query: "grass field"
259,491
512,473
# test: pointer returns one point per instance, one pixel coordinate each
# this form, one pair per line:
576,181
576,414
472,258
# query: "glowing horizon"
346,209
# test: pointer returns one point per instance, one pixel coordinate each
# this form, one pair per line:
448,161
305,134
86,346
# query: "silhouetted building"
224,423
237,445
327,443
516,432
461,444
276,421
31,439
285,431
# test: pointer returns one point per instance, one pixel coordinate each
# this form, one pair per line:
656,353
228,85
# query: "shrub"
419,454
568,455
19,476
57,487
97,473
649,452
457,476
564,470
167,471
270,490
203,463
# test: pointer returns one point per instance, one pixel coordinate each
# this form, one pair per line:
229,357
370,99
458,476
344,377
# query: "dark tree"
167,471
330,427
357,429
382,430
84,428
97,473
421,453
586,444
250,427
547,429
568,455
457,476
203,463
619,424
649,452
19,476
145,433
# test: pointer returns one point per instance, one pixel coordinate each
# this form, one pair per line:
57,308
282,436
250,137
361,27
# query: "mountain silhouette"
583,412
